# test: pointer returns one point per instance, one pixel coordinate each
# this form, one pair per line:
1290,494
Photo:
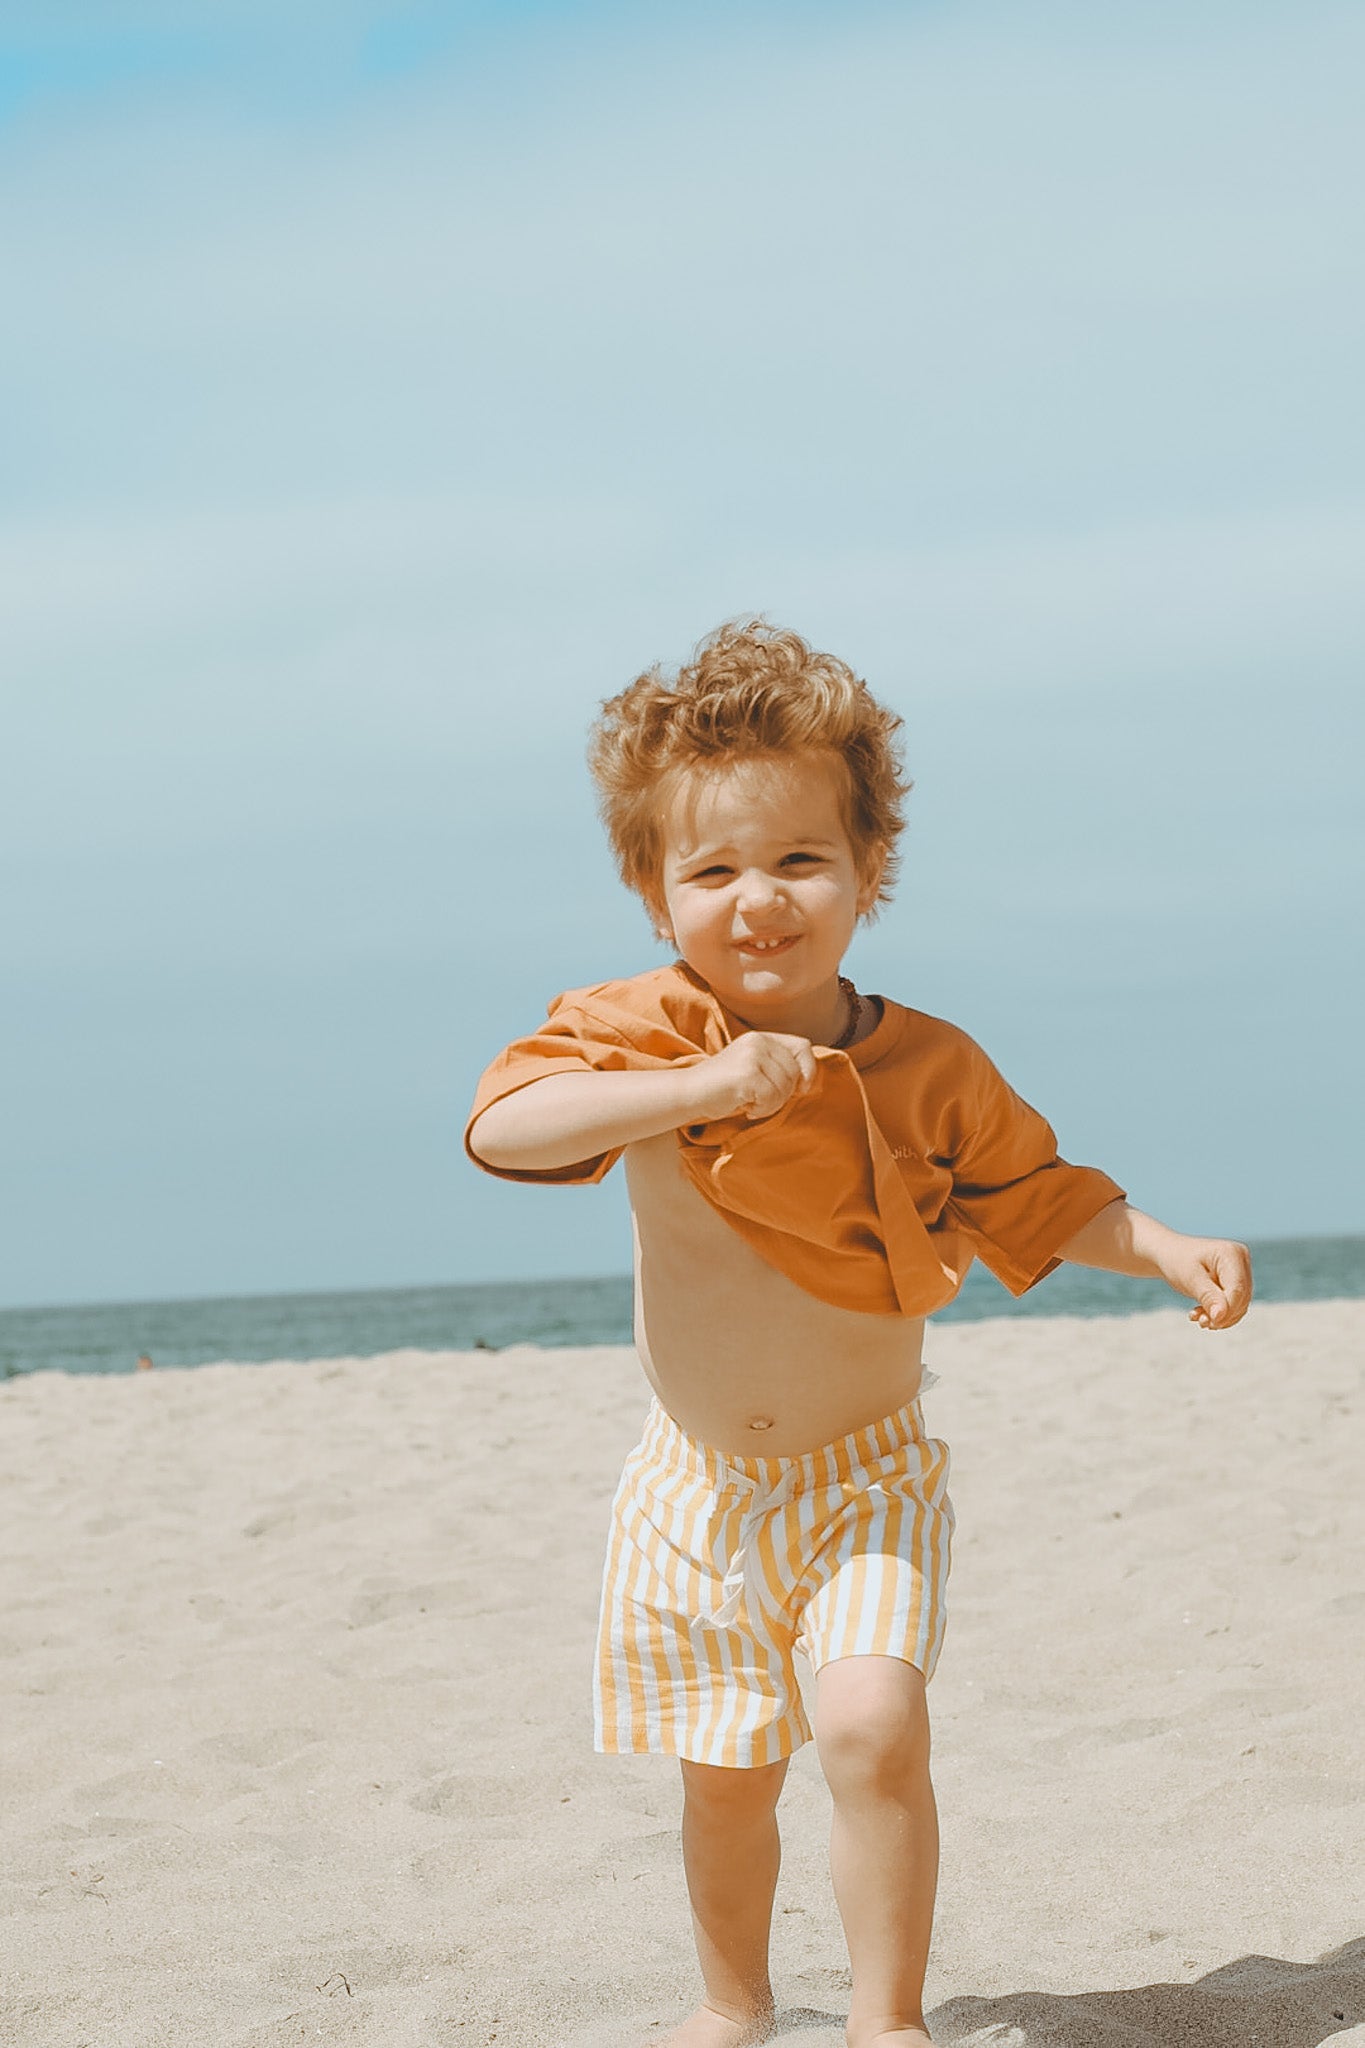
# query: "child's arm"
1213,1271
563,1118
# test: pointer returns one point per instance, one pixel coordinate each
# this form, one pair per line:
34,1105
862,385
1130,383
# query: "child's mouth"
768,949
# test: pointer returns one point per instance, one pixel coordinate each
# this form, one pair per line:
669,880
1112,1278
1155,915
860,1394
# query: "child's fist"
754,1075
1217,1274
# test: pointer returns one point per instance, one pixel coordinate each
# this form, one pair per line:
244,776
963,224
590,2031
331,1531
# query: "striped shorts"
719,1567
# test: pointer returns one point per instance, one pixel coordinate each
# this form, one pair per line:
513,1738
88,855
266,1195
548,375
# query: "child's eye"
802,856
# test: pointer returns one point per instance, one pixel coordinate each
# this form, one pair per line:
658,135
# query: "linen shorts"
719,1568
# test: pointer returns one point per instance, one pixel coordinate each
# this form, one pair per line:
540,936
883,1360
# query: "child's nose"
757,889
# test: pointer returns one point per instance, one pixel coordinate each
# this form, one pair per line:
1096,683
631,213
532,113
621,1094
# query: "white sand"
296,1721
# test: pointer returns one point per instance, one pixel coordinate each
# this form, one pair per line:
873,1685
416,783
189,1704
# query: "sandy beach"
296,1728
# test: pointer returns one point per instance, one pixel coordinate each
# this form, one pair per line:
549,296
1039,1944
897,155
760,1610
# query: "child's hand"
1217,1273
754,1075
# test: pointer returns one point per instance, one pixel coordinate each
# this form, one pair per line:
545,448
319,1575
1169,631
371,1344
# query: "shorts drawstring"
763,1500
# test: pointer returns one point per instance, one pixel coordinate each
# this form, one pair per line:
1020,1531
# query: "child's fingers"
1225,1296
778,1076
1234,1275
1211,1312
1218,1313
802,1054
1228,1298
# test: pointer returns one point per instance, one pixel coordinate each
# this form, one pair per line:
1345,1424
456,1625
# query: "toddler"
811,1171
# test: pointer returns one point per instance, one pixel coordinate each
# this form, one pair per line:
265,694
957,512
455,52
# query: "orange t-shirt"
874,1191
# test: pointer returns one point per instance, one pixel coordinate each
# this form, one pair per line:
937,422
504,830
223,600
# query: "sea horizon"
491,1315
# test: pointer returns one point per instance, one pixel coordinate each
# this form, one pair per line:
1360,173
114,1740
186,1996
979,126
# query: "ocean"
489,1315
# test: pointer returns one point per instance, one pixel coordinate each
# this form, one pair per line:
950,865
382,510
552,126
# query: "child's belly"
740,1356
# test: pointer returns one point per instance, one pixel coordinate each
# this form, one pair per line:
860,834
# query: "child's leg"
731,1856
872,1731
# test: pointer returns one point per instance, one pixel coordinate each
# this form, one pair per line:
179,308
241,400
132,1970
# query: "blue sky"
384,387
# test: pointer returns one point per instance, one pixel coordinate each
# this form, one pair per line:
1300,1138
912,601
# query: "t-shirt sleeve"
1013,1194
571,1040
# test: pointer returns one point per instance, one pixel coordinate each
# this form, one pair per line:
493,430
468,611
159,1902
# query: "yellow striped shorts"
719,1567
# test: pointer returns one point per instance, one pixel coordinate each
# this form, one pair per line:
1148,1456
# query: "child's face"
758,852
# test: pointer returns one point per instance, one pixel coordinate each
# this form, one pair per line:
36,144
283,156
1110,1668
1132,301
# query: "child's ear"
872,868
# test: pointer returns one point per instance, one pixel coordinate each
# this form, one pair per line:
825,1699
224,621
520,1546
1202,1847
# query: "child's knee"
871,1723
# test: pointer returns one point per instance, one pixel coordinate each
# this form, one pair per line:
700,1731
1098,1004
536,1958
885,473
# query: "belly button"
761,1422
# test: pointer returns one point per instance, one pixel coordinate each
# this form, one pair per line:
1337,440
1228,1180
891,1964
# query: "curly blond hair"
750,689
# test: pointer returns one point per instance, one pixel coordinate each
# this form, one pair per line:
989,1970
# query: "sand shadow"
1258,2002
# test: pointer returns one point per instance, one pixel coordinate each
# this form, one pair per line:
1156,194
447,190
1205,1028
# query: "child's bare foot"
709,2028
